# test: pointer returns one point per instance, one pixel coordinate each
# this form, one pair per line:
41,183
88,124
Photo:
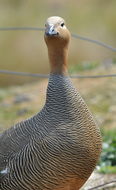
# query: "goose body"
59,147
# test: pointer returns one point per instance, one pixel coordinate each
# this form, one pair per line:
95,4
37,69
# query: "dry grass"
20,102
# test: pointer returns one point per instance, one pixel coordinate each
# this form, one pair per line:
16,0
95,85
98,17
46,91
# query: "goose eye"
62,24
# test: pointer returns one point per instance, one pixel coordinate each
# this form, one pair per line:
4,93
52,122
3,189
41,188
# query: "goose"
57,148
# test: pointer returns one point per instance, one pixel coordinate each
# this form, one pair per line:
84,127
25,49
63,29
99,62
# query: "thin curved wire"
73,35
22,28
47,76
94,41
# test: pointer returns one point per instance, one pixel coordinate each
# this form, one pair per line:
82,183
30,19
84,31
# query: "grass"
107,162
98,93
13,111
83,66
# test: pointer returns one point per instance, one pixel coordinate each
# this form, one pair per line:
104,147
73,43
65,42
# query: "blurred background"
26,50
21,97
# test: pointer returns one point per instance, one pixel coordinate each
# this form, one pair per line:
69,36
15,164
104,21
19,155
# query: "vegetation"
107,162
85,65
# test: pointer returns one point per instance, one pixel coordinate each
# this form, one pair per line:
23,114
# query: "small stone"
22,112
21,98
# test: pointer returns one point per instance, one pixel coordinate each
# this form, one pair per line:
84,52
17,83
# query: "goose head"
56,32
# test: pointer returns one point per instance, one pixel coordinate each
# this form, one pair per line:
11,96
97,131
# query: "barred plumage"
55,148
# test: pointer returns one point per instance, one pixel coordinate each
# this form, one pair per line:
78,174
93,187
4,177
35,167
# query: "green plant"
83,66
107,162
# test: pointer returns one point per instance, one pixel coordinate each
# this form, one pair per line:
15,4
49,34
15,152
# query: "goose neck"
58,60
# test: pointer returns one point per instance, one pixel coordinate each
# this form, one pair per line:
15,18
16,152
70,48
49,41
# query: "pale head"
56,32
57,38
